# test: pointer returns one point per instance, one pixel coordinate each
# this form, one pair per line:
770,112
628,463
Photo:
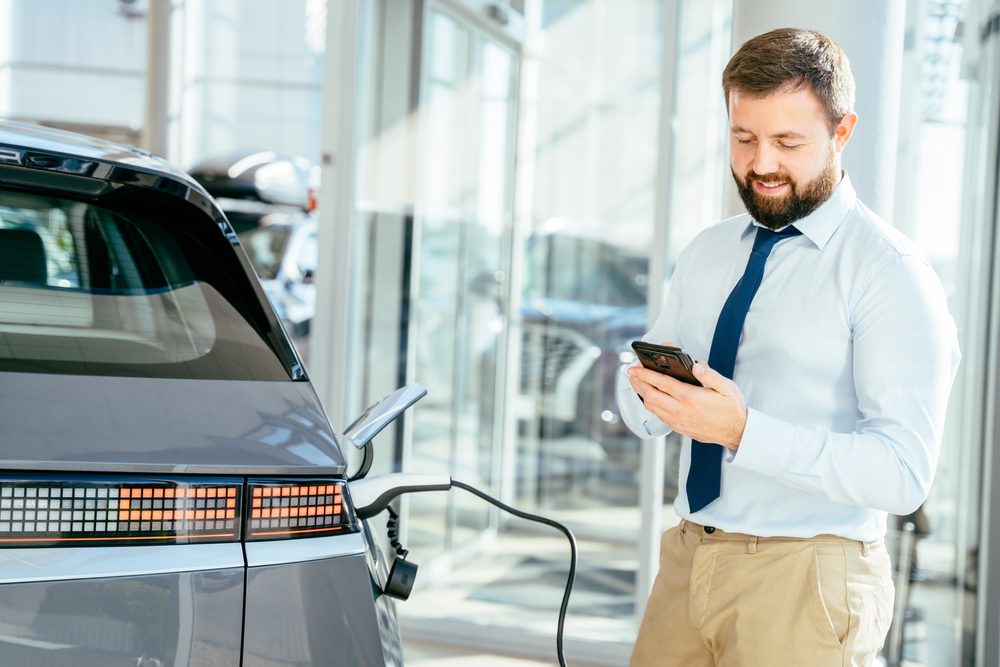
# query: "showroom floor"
424,654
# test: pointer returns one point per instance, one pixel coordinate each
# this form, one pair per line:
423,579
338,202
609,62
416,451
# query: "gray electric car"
171,492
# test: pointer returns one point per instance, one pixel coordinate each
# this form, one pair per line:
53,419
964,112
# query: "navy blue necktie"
705,476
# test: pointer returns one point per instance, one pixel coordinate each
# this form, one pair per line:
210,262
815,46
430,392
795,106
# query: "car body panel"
51,140
19,566
69,422
189,618
276,552
314,613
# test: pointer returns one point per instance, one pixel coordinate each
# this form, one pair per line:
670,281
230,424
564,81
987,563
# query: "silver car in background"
171,492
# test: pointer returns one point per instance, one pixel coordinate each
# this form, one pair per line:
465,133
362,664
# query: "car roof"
51,140
62,154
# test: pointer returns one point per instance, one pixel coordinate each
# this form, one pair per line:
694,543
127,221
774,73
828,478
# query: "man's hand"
715,412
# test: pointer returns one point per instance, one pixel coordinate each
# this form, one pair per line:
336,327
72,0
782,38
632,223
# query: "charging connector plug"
371,496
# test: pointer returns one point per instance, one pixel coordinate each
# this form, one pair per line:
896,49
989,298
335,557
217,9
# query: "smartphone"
672,361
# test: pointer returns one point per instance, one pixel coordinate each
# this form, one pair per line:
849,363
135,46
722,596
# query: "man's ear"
844,130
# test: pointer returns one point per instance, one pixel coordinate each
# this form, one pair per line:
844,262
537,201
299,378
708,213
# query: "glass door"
593,108
520,332
462,231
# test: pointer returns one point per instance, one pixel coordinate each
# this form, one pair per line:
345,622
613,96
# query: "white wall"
247,76
66,61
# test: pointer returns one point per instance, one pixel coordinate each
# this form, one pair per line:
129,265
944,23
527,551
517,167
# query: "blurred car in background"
583,303
249,185
584,300
269,199
284,251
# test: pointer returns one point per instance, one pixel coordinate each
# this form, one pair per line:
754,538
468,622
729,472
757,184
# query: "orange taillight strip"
76,510
88,510
281,509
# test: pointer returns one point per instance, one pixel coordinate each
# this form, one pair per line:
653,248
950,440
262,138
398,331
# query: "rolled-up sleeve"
906,356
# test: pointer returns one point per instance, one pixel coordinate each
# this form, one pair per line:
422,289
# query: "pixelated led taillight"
51,511
91,511
285,509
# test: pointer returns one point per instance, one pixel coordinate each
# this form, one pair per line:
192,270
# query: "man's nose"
765,160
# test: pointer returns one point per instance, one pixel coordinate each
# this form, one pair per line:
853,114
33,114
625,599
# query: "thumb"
710,377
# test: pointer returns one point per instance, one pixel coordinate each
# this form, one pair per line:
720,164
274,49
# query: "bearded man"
831,354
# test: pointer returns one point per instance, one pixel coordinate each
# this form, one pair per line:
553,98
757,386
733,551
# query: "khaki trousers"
736,600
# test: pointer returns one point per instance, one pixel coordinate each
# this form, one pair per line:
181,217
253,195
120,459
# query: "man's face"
783,157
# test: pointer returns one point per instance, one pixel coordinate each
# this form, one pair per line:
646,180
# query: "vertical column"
983,193
154,126
331,334
871,33
387,171
7,57
652,454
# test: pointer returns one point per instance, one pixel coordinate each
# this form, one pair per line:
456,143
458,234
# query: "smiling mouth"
770,187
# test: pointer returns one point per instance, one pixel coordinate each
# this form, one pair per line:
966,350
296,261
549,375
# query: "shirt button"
709,529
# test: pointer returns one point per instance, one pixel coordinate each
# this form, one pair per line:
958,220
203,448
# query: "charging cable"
392,528
572,555
371,496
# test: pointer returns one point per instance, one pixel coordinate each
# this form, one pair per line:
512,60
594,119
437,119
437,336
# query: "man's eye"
744,141
789,147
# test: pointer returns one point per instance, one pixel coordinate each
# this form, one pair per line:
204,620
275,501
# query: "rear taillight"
283,509
83,511
100,511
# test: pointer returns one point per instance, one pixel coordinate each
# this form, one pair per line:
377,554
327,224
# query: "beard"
776,212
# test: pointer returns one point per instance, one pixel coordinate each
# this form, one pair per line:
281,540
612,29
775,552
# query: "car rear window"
265,246
105,290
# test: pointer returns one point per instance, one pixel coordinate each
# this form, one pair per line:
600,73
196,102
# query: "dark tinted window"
108,290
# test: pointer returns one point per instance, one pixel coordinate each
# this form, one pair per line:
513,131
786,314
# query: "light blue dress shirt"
846,362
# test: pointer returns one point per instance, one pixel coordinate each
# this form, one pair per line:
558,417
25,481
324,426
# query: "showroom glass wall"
524,180
508,182
935,612
522,191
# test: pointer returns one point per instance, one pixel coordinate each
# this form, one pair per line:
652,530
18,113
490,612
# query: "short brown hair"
789,58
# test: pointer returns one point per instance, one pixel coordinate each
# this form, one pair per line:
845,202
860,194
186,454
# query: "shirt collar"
820,225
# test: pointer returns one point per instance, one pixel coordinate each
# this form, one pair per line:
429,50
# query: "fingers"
655,400
707,413
713,379
662,382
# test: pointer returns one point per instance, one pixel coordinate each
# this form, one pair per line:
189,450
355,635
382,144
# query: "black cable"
392,528
572,558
